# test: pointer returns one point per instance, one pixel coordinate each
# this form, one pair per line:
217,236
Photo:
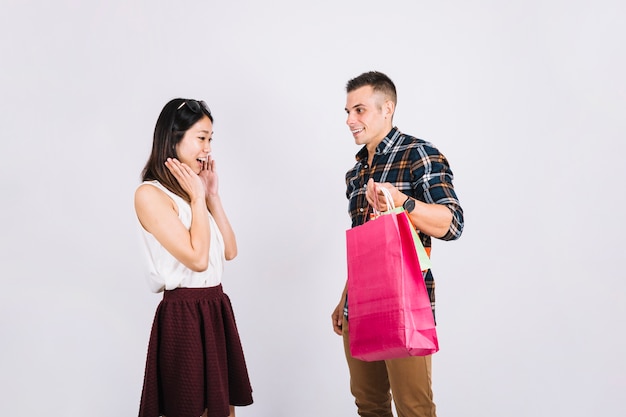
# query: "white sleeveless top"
165,272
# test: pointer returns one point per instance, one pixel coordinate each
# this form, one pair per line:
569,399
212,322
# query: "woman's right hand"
189,180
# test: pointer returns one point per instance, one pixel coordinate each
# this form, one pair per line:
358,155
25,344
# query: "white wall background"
526,99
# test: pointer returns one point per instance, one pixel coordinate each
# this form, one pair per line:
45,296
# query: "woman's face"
195,146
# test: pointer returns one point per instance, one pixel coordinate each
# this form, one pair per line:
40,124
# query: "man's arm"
437,211
431,219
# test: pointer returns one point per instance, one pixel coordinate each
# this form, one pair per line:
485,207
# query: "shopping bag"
389,310
422,255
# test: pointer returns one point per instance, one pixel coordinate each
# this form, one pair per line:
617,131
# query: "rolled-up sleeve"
433,184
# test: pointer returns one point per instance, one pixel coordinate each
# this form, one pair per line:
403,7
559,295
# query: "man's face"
369,115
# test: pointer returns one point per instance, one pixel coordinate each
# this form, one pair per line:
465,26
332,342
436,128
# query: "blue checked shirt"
417,169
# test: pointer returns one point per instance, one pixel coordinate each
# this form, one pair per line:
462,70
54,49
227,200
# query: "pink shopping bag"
388,305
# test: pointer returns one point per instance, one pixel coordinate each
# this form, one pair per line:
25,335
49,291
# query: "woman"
195,364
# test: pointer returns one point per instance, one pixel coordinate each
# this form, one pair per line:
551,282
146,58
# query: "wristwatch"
409,205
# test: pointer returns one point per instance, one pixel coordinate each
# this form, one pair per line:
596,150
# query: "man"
419,179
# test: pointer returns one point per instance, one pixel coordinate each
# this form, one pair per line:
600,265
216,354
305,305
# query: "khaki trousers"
374,383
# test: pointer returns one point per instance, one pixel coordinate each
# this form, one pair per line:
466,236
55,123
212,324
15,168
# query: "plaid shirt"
417,169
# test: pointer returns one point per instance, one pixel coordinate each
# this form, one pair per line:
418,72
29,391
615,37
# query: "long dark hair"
175,119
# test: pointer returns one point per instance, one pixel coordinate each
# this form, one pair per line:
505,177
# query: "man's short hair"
377,80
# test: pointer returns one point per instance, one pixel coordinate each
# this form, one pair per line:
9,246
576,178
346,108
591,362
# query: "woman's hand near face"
189,180
208,175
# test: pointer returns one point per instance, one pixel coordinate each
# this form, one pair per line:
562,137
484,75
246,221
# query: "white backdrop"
526,99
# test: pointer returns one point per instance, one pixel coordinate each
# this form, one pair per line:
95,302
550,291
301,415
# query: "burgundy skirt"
195,360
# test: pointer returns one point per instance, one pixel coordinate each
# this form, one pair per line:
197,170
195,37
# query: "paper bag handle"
390,204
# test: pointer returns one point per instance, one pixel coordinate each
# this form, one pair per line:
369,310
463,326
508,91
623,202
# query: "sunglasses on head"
195,106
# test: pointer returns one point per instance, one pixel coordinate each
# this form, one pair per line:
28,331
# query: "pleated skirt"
195,359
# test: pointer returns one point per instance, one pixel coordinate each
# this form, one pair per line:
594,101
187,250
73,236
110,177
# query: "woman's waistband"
202,293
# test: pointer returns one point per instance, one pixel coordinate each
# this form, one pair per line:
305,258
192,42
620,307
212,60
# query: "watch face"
409,205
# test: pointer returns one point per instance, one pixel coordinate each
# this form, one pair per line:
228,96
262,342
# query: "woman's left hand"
208,175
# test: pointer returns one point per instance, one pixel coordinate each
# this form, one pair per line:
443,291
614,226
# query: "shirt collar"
383,147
